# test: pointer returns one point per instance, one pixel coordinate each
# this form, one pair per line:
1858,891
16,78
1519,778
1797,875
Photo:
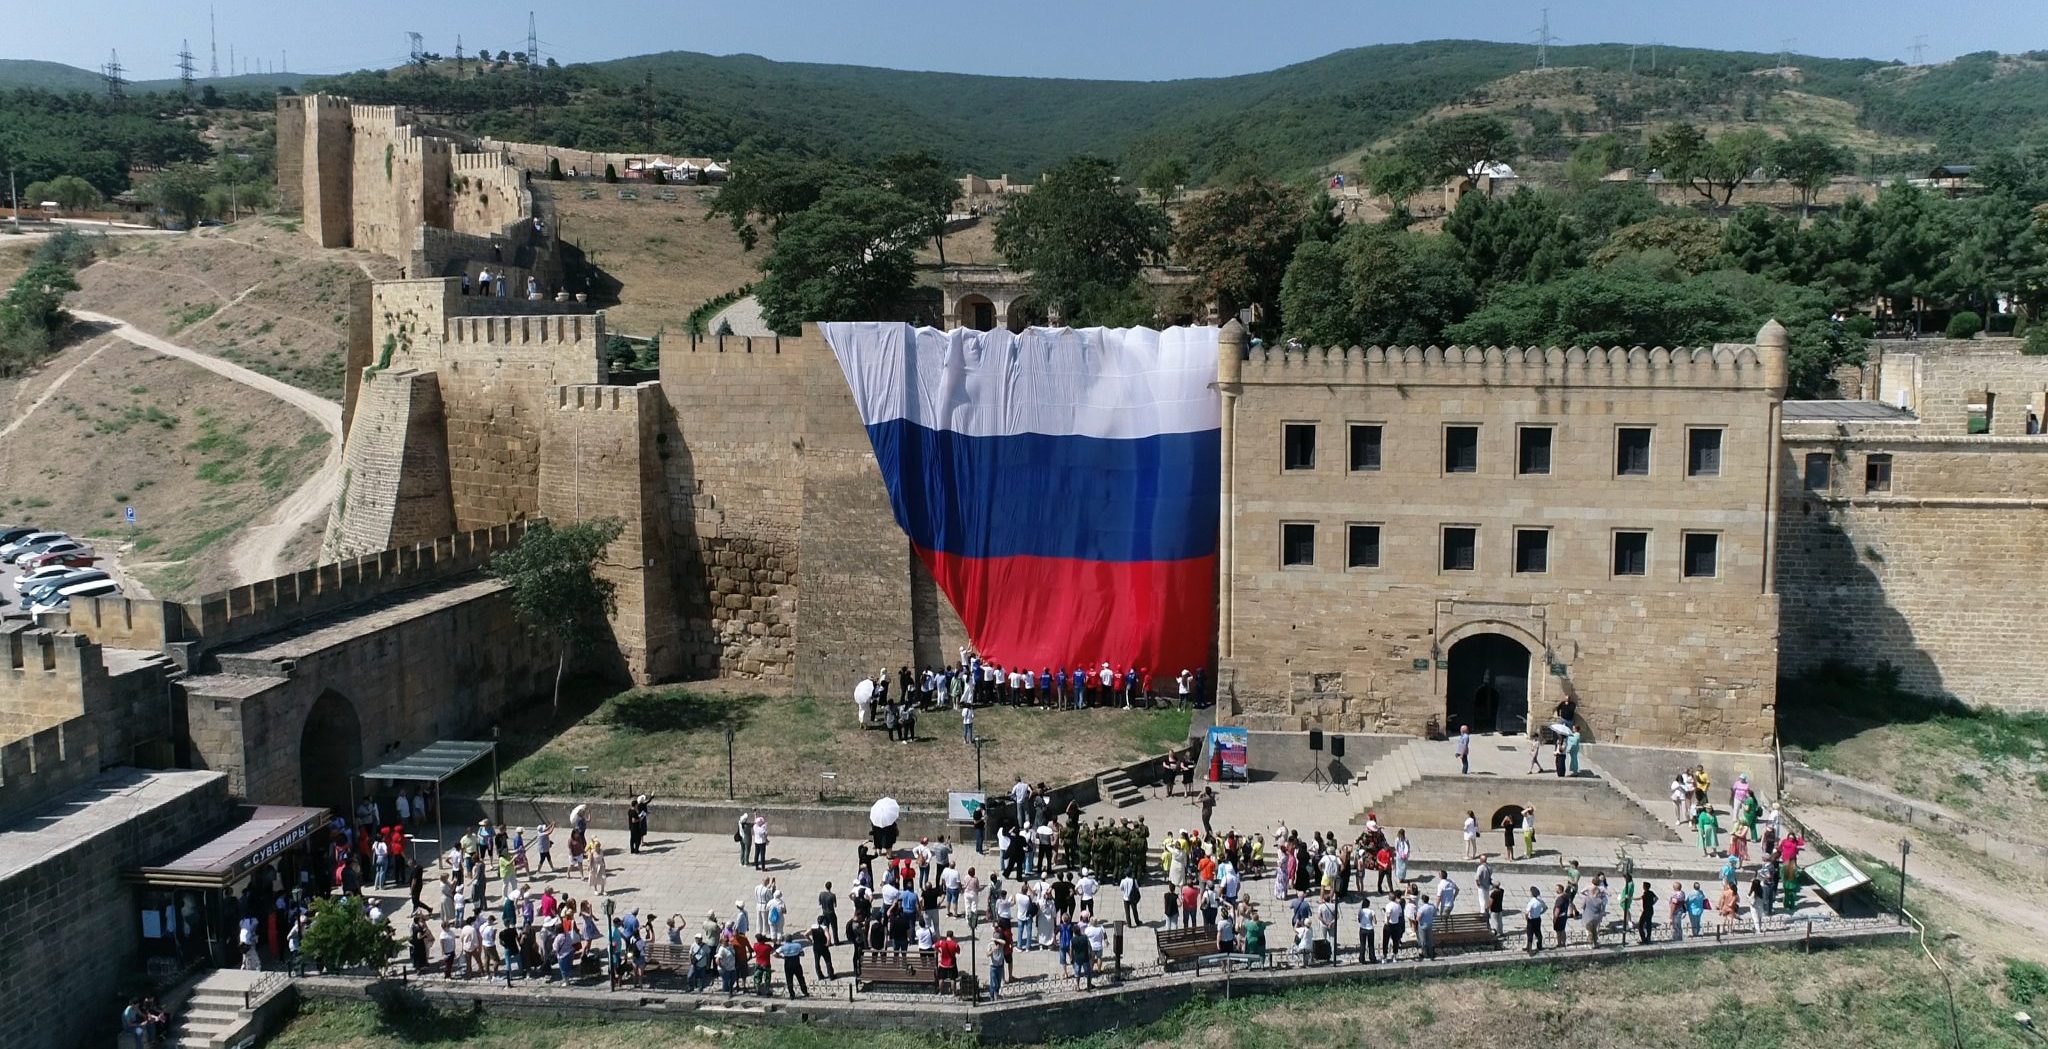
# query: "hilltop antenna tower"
212,47
1920,50
458,56
111,73
185,67
532,68
416,55
1785,47
1543,42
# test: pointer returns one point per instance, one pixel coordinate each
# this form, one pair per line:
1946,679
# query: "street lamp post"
978,741
497,804
1904,848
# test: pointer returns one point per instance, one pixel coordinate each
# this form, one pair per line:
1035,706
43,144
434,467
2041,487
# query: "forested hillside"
1290,121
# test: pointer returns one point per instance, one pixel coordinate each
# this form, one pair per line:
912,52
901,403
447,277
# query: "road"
258,553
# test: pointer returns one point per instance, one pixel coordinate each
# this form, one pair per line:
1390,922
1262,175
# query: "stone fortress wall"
1362,630
1912,541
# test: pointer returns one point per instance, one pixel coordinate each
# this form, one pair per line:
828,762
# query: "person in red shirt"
1208,868
1384,864
763,952
948,950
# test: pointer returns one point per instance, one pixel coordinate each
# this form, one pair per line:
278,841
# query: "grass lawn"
1859,996
1987,764
670,741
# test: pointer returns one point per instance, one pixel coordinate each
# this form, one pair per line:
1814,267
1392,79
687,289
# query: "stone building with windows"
1470,536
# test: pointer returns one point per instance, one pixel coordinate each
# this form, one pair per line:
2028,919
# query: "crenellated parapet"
1731,366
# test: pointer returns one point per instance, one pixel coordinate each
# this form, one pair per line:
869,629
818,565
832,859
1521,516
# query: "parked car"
33,549
61,600
49,587
55,552
13,547
55,575
10,533
85,558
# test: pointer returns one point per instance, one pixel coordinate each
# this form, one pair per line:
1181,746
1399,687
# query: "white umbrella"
864,691
883,813
576,814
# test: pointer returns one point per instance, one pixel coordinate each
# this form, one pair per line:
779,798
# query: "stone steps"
1659,814
1117,789
1400,769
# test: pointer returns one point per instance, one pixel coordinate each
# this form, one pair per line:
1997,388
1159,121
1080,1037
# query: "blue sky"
1124,39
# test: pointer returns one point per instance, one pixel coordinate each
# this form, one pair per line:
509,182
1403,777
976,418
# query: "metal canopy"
433,763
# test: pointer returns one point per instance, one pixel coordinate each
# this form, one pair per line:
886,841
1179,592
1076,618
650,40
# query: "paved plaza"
688,875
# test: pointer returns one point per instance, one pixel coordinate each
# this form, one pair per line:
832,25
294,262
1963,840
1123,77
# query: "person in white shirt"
1368,917
967,720
1471,835
1446,892
1392,927
1128,889
1085,890
1532,940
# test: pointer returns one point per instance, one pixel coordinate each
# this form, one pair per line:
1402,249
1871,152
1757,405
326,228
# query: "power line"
1785,47
1920,50
1543,42
458,56
213,46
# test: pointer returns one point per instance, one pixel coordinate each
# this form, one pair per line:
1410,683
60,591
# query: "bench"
1184,945
1460,929
888,967
663,957
1234,959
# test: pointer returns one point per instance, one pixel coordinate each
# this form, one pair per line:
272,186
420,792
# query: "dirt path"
1994,906
258,553
49,392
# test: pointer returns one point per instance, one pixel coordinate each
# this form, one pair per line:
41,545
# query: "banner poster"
1226,753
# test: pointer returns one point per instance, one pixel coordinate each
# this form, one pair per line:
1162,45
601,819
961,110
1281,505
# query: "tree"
1711,167
1081,235
2000,250
767,188
33,310
181,190
556,590
1808,162
926,181
341,935
1396,176
1163,178
1692,244
1240,238
1523,237
1375,285
69,191
851,256
1453,147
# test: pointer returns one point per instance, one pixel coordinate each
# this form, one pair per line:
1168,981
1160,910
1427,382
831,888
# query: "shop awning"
265,832
433,763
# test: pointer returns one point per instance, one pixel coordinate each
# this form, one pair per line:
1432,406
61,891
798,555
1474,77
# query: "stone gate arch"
330,751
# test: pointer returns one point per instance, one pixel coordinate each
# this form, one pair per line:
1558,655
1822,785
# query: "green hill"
56,76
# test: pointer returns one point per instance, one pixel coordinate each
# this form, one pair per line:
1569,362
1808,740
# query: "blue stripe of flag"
1034,495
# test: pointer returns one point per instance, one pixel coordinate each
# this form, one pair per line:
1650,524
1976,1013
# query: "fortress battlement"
594,398
361,113
496,163
1723,366
523,331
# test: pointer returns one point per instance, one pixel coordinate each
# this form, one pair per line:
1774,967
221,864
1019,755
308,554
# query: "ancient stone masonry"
1473,535
1912,525
70,709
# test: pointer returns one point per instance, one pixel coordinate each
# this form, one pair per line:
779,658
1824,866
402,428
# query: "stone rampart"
395,468
66,713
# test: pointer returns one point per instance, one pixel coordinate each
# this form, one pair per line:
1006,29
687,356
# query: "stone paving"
687,874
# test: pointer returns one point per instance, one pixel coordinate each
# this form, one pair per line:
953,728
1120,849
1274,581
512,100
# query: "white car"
61,600
15,549
49,574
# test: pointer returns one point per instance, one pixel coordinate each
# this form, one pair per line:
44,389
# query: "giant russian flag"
1060,484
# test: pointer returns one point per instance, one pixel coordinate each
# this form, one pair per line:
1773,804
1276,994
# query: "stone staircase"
1117,789
215,1014
1418,785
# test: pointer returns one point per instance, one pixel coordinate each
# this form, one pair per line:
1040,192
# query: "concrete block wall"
602,454
395,465
74,936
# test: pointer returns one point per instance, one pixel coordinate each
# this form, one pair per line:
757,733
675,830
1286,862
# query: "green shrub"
2037,342
611,174
2026,983
1861,325
1965,325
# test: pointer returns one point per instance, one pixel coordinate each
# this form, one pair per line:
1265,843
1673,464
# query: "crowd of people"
972,683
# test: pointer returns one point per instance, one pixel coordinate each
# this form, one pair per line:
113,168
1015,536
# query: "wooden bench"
1184,945
1461,929
888,967
1234,959
665,958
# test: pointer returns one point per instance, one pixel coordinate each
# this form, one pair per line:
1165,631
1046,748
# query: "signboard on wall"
1226,754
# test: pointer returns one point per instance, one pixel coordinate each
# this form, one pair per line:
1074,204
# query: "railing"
266,987
812,786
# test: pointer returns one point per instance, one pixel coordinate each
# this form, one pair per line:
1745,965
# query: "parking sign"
131,515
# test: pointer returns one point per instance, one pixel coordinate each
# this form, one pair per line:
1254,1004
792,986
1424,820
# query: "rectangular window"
1532,452
1631,553
1461,449
1362,546
1703,452
1532,550
1299,441
1365,446
1979,412
1632,451
1877,473
1817,469
1297,544
1461,549
1702,554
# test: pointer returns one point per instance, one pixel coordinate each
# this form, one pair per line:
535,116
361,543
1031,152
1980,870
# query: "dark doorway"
330,751
1488,685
